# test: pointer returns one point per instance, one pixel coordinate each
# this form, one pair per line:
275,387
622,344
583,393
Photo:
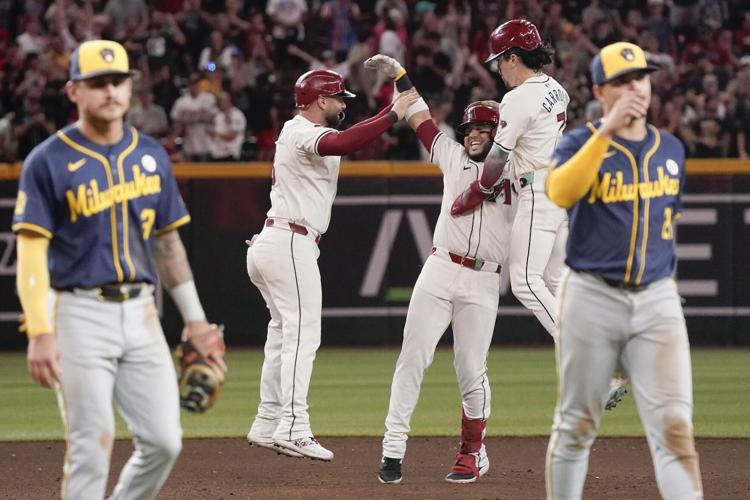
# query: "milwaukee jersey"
622,228
483,233
532,118
99,205
304,183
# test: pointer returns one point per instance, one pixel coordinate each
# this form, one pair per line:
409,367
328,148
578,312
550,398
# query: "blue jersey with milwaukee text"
622,228
100,206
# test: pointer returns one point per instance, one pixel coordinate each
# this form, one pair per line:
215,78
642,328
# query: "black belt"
620,285
114,292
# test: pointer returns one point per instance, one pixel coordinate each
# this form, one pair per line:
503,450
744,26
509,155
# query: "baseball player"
620,180
459,285
95,216
282,259
533,116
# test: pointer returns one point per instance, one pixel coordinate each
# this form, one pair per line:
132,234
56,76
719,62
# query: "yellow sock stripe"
110,182
124,204
634,229
644,242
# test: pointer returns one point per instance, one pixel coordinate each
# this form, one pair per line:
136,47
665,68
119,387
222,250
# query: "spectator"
264,114
228,131
32,40
219,53
31,125
126,18
192,113
341,15
163,41
392,40
148,116
659,26
288,24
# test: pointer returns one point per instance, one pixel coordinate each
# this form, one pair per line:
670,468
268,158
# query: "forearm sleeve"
426,132
32,280
570,181
356,137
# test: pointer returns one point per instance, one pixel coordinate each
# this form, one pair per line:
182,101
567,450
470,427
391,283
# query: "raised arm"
362,134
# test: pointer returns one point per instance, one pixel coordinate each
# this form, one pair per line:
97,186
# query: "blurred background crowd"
215,77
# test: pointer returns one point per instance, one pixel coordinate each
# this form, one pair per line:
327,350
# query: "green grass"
350,389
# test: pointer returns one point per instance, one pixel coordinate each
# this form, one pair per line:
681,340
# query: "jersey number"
148,215
562,117
666,229
501,190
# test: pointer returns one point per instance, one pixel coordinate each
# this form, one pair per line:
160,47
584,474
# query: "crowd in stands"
215,77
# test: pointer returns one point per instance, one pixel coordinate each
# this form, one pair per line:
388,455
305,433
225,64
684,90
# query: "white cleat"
306,446
267,442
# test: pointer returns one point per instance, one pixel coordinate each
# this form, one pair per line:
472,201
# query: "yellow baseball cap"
97,58
618,59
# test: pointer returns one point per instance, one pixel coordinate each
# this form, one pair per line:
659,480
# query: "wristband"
403,83
418,106
186,297
393,116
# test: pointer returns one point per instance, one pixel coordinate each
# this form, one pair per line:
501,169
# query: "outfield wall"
380,234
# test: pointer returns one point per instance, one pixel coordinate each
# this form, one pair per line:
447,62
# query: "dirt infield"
230,469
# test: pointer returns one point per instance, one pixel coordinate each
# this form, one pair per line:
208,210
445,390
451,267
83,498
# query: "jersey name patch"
89,200
552,98
613,190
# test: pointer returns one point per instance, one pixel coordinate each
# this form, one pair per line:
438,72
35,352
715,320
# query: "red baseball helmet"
516,33
478,112
318,82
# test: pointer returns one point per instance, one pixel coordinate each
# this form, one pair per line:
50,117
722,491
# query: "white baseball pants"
284,267
602,327
445,294
115,350
537,250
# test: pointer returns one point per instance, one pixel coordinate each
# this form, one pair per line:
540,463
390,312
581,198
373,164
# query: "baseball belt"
111,292
522,182
291,226
475,263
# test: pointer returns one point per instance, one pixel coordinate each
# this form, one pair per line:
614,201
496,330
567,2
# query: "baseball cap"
99,57
618,59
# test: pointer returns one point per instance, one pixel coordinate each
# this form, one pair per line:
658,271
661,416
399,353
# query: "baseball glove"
200,383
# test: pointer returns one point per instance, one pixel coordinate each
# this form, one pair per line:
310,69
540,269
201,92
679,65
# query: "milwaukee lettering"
89,200
612,190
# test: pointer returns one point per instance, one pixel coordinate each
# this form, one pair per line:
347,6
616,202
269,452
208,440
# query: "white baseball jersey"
483,233
304,183
532,118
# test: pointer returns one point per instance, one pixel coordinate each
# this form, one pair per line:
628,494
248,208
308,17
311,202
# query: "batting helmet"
318,82
478,112
516,33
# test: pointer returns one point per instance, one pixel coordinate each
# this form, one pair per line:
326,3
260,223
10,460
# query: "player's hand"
384,64
629,107
469,199
43,359
403,101
208,340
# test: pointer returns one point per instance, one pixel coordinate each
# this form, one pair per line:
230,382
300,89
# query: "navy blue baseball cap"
618,59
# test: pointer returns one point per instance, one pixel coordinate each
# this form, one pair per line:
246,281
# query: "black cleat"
390,471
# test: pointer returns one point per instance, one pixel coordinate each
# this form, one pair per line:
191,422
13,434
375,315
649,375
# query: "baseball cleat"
267,442
390,471
469,467
617,389
307,446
